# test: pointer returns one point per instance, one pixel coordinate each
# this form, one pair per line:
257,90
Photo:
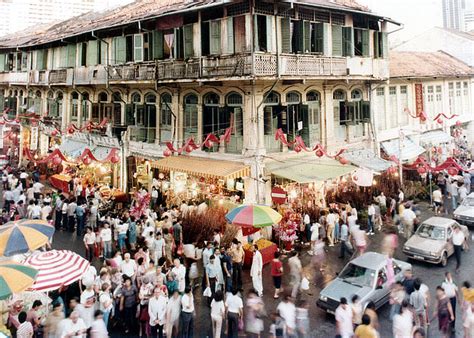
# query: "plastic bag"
207,292
305,284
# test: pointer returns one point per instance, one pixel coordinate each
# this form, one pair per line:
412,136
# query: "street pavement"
322,324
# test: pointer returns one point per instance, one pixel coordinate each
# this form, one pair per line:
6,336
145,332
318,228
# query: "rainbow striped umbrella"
21,236
15,278
257,216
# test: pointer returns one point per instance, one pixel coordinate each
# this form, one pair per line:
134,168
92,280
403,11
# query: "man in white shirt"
128,266
73,327
235,309
462,191
437,200
343,316
287,311
35,211
370,219
157,312
106,238
180,272
451,291
458,241
187,313
408,219
46,211
37,188
331,221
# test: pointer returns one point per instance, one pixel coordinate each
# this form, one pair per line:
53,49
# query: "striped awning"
204,167
72,148
366,158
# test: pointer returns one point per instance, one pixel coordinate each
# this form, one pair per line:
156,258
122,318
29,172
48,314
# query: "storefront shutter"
92,53
336,40
138,47
71,56
188,41
285,35
119,45
307,37
215,33
384,44
230,35
348,37
157,45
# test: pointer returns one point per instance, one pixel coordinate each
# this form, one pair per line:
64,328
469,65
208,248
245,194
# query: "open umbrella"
56,268
15,278
257,216
25,235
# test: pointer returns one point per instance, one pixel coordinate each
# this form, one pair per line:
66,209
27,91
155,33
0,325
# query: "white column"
327,114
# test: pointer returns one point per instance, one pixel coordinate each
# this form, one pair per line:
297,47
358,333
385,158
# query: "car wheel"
444,259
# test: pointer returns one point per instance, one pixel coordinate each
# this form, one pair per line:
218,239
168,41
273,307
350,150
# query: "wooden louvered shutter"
157,45
119,50
215,37
384,48
71,55
365,42
188,41
92,53
336,40
285,35
307,37
348,41
376,45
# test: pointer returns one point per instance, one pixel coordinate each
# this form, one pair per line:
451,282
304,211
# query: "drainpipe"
106,59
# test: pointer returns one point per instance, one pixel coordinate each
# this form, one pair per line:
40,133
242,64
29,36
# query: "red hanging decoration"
86,160
167,153
458,123
319,153
57,160
452,171
343,160
115,159
421,170
297,148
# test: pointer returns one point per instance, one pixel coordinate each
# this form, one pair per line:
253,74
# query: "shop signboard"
34,134
44,144
419,99
279,195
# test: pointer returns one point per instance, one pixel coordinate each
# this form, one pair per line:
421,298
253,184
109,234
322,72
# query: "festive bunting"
86,157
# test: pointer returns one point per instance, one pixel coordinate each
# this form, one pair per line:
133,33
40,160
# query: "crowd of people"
144,281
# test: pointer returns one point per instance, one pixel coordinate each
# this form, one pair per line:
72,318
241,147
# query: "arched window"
211,99
60,95
293,98
150,98
190,124
103,97
166,117
136,98
272,99
117,97
339,95
50,94
313,96
74,106
356,95
38,94
74,96
234,99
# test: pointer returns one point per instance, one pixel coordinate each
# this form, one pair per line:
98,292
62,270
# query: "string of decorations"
57,157
423,117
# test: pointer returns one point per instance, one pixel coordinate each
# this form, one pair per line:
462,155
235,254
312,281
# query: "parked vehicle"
464,214
432,241
365,276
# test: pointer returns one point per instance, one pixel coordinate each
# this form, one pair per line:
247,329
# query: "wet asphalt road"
322,325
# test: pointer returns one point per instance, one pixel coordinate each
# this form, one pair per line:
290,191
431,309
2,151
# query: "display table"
120,196
267,255
60,182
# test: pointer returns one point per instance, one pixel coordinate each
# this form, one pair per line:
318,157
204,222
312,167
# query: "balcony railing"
142,134
57,76
14,77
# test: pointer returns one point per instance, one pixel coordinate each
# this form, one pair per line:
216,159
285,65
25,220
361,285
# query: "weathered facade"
164,71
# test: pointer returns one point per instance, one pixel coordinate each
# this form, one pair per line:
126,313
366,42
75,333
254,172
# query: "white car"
464,214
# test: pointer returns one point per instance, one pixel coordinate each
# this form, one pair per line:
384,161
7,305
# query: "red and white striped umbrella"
56,268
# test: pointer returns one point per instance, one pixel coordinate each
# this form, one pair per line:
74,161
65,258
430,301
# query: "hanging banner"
34,135
363,177
419,99
44,144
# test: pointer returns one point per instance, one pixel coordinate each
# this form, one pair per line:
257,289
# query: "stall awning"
202,167
366,158
308,169
101,152
72,148
435,137
409,150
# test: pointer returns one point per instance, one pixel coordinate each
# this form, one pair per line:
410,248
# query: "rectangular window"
74,110
147,47
361,42
205,38
82,53
319,38
138,47
240,44
215,37
129,48
119,46
92,53
380,91
337,46
403,89
261,33
392,90
380,44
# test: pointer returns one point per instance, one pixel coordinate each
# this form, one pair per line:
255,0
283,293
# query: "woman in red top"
277,271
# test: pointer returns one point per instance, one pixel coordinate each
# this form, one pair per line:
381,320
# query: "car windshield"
468,202
431,232
357,275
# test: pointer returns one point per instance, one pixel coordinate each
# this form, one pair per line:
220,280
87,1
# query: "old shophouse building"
168,71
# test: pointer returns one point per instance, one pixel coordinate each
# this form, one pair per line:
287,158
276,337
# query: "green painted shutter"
120,49
157,45
92,53
138,47
230,35
285,35
307,37
71,56
384,45
365,111
365,43
298,34
2,62
256,47
178,44
376,45
103,53
80,54
270,34
129,115
336,40
215,35
320,38
63,57
348,38
41,59
188,41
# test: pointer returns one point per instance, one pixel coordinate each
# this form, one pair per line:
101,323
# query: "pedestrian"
287,310
132,232
73,326
444,312
360,240
237,254
451,291
331,223
217,313
81,217
256,271
371,312
98,328
343,314
105,302
370,218
211,277
397,295
345,242
314,236
277,272
25,329
357,310
418,303
403,322
173,311
234,306
128,305
254,311
278,327
187,314
106,240
459,240
296,272
365,330
226,262
179,270
157,313
302,319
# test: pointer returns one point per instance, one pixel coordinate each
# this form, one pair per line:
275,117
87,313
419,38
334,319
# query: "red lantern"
70,130
421,170
452,171
422,116
319,153
2,122
210,144
57,160
188,148
439,120
343,160
17,120
86,160
54,132
458,123
297,148
167,153
115,159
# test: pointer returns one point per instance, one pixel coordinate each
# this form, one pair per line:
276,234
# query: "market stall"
60,182
266,248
